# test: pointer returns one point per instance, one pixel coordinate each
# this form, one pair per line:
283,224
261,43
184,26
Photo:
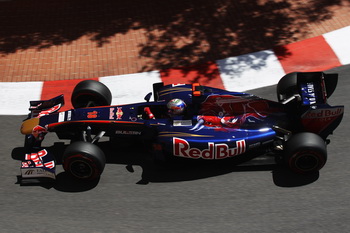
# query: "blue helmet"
176,106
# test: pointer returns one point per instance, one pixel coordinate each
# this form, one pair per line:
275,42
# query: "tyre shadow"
187,171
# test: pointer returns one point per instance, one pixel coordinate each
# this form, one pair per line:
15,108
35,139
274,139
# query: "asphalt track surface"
183,198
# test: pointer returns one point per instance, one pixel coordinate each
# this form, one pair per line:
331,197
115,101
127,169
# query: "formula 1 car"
186,121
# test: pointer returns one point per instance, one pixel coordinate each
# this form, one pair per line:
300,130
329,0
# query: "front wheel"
305,153
84,160
91,93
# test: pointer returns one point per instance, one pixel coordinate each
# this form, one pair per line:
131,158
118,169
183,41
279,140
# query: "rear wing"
319,117
316,87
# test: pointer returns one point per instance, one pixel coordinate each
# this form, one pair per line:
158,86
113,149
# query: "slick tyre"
305,153
84,160
91,93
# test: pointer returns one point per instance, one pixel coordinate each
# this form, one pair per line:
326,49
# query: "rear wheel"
84,160
91,93
305,153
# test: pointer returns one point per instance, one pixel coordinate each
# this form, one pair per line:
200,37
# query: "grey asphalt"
191,198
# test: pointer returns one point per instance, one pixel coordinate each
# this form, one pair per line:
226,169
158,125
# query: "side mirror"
148,96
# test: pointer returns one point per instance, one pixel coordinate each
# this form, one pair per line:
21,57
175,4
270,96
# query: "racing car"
188,121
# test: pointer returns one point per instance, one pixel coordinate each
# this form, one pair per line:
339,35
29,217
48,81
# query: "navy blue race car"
186,121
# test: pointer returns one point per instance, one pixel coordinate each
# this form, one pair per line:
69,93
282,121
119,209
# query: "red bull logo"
182,148
119,113
39,131
322,113
317,120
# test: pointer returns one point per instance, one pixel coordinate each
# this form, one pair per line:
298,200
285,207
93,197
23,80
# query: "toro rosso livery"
187,121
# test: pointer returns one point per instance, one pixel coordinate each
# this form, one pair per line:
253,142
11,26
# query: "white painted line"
250,71
131,88
15,96
339,42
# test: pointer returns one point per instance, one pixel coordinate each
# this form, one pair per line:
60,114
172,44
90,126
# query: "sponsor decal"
50,164
182,123
92,115
111,113
69,116
310,95
28,163
316,120
119,113
38,132
36,160
36,157
37,172
35,107
323,113
182,148
133,118
61,116
50,110
29,172
128,132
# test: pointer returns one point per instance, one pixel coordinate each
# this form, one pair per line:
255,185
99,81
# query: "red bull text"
182,148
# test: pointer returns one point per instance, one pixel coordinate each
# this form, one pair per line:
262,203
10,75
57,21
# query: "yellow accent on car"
28,125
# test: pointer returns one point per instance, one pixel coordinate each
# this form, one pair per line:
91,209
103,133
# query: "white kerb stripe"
131,88
250,71
339,42
15,96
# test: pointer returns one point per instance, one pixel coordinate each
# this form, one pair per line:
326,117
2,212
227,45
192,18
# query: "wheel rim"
307,162
81,169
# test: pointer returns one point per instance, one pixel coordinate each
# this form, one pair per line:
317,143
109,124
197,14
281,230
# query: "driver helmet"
176,106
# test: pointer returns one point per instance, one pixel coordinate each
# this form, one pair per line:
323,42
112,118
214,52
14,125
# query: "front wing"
38,166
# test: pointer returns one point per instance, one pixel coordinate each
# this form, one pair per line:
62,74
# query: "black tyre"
91,93
84,160
287,87
305,153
